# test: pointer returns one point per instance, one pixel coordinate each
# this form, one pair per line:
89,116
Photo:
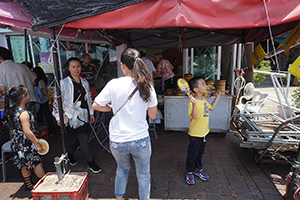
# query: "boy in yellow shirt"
199,115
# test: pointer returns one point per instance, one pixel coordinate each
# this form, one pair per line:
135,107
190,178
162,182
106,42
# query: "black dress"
23,150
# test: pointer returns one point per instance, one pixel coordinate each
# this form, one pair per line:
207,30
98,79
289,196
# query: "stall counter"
176,114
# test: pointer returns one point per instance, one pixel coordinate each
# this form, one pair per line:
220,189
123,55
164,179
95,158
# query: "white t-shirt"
12,73
130,122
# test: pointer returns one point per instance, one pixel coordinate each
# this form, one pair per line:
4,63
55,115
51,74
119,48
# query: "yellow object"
199,127
294,69
291,38
257,55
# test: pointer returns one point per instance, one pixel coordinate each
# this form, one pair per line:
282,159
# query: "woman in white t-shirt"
128,128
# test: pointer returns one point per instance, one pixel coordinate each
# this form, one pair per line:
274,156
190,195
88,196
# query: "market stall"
176,117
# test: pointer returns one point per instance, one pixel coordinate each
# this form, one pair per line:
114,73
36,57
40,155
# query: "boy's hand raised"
218,93
192,99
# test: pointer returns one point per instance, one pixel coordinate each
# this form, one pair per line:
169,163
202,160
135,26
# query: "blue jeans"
141,153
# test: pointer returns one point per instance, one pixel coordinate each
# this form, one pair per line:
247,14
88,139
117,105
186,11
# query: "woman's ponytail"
142,78
139,72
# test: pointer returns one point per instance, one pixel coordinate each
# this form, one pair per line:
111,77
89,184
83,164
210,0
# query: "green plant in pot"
263,66
296,97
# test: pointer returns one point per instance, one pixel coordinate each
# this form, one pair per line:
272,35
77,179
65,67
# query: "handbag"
130,96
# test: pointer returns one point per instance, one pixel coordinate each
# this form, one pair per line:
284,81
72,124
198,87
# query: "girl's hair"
14,95
139,72
40,75
67,64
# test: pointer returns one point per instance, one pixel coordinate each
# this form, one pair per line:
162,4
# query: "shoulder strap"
130,96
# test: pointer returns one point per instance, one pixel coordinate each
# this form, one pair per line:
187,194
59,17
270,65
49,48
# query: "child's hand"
192,99
218,93
38,147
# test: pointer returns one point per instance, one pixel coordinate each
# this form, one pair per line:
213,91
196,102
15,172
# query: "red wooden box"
75,187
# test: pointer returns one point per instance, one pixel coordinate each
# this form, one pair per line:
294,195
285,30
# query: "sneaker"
190,178
201,174
94,167
71,159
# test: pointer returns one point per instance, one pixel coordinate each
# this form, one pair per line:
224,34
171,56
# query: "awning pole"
233,66
25,35
59,59
219,62
57,87
192,61
32,52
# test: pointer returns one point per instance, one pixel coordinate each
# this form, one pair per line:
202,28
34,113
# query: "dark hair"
28,64
158,54
67,64
193,83
139,72
14,95
143,52
85,54
5,53
40,75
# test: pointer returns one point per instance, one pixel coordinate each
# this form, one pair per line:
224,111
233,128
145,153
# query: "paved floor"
232,170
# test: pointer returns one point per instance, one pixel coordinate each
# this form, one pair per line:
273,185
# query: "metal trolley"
269,134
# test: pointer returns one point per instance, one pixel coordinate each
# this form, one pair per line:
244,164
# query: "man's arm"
2,90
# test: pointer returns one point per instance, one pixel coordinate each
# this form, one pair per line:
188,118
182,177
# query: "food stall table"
176,114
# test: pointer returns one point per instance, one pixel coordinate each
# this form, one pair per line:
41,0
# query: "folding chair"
152,128
97,127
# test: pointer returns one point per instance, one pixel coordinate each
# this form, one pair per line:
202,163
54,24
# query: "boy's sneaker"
71,159
190,178
94,167
201,174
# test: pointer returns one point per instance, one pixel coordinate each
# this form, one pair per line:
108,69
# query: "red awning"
207,14
193,23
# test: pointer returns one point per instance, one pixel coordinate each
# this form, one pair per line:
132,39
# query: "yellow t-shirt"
199,127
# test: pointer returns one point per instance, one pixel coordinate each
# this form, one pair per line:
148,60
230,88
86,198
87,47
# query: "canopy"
171,23
192,23
14,18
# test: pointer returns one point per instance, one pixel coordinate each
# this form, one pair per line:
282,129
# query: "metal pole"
58,92
59,59
25,35
192,61
219,62
32,53
233,66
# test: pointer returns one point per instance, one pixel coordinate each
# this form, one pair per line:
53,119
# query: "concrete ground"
232,170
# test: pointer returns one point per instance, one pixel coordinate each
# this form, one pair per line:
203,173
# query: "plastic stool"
43,133
5,148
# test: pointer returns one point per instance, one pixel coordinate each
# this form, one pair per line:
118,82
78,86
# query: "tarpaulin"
192,23
171,23
51,13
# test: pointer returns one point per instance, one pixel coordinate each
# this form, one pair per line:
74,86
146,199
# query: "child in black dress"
24,143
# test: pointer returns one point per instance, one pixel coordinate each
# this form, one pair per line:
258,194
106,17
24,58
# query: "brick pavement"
232,170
